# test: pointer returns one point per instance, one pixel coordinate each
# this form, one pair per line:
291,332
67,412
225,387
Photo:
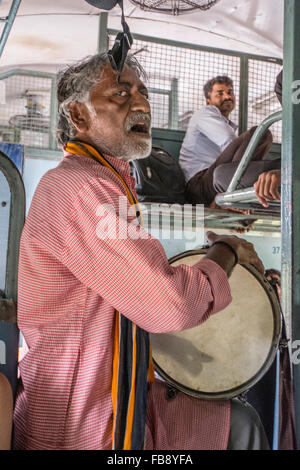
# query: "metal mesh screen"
25,103
176,76
262,100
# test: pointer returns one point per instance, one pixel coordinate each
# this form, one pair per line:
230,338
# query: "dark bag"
159,178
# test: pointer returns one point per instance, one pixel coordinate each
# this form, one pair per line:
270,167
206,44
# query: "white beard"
126,148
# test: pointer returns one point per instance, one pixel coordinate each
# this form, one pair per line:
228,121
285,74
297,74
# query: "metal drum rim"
236,391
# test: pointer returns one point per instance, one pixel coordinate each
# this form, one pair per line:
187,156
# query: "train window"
26,108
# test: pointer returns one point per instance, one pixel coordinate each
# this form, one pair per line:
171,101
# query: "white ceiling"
60,31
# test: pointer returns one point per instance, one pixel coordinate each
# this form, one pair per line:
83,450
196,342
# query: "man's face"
223,97
120,117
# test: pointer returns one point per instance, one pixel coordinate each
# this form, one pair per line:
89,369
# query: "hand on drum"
244,251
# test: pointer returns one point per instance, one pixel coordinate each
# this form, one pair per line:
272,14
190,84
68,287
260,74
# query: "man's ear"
80,116
207,101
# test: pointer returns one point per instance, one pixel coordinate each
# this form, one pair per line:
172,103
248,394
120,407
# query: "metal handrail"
240,195
259,132
16,223
232,194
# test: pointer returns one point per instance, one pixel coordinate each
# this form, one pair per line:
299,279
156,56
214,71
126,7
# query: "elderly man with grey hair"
93,283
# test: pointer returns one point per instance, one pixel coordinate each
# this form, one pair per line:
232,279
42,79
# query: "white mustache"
136,118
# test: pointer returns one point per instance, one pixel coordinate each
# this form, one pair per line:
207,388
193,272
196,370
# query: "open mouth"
140,128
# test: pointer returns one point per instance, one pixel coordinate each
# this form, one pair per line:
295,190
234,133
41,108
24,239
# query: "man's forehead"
128,76
222,86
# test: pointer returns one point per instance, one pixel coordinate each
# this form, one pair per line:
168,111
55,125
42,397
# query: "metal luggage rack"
259,220
189,218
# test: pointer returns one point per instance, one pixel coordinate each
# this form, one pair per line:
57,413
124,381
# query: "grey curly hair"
75,82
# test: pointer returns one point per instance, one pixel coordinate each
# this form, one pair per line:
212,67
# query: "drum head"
233,349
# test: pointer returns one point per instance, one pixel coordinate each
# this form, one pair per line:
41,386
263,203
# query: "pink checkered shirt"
71,281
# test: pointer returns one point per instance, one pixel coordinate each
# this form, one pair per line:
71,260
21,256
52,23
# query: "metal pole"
9,22
173,104
102,34
240,195
290,190
244,88
53,115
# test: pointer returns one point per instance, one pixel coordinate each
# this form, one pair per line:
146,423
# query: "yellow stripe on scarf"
115,370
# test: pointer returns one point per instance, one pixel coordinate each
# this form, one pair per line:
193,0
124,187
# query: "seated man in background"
210,141
267,174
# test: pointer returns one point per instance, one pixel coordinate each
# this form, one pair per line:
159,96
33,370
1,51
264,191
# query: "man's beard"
127,147
225,104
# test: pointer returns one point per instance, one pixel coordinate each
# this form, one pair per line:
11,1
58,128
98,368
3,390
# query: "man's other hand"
266,187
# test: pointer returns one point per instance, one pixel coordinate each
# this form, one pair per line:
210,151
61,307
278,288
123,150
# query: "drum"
226,355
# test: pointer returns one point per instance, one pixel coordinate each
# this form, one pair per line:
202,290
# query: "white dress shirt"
208,134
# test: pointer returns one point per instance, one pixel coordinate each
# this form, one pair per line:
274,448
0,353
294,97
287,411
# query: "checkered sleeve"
115,257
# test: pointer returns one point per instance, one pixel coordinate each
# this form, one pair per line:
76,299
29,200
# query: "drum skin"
226,355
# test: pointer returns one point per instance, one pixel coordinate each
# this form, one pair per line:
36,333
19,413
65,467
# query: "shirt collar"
231,123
